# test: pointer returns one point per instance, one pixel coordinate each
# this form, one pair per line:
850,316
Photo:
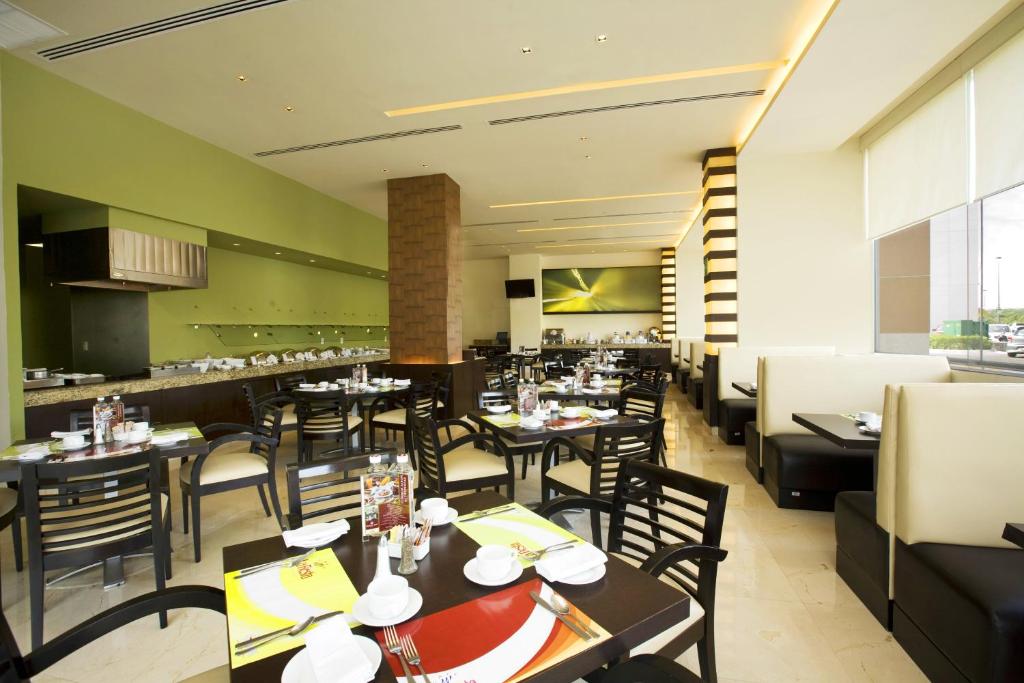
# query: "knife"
546,605
254,639
495,511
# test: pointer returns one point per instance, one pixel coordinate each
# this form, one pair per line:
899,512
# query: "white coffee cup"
570,411
540,414
73,441
865,416
434,509
388,596
494,561
874,424
552,405
140,426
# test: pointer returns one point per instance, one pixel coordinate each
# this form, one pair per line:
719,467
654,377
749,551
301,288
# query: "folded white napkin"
403,381
562,564
335,653
315,534
166,439
606,414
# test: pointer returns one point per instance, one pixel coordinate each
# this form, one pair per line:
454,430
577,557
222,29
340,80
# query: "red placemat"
504,636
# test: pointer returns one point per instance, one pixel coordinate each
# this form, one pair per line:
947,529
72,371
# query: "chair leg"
373,438
263,499
510,488
184,509
526,458
196,538
545,493
272,483
167,550
36,588
160,550
595,527
706,654
19,563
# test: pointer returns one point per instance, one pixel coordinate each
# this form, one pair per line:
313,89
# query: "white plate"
589,576
33,455
539,424
864,429
499,409
473,575
57,445
452,515
300,668
361,610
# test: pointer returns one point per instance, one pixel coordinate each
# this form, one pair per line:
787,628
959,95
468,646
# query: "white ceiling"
341,64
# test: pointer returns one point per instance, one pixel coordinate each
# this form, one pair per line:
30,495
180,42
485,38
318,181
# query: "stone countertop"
42,397
646,345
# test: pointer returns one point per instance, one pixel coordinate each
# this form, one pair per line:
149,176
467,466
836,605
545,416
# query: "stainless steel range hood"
115,258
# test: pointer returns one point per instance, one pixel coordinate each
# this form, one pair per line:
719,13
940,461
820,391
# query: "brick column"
425,270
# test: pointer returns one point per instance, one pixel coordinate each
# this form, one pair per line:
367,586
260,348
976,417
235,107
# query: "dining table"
360,392
1014,533
842,430
505,426
12,460
652,605
745,388
608,392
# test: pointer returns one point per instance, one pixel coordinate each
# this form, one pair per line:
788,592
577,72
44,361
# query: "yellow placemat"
520,529
503,419
193,432
278,598
15,451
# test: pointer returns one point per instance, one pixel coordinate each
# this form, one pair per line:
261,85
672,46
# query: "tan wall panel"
906,252
903,304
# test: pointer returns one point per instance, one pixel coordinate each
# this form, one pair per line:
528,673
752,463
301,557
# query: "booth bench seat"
733,415
862,552
806,471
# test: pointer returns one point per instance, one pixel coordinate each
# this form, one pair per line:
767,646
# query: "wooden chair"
593,473
443,382
447,464
289,382
82,419
635,401
242,456
327,489
10,515
289,421
650,669
668,523
394,414
651,374
82,512
18,668
493,382
329,420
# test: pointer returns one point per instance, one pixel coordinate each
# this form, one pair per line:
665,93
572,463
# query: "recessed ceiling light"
587,157
597,244
289,108
601,38
277,253
241,77
235,244
583,138
527,49
312,260
598,225
423,165
383,170
594,199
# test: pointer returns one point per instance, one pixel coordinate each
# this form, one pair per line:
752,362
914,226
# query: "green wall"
63,138
250,290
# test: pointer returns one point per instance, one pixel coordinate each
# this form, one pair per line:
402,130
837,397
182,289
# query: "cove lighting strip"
719,217
608,198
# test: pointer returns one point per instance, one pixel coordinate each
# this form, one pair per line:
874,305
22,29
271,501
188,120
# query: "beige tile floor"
783,614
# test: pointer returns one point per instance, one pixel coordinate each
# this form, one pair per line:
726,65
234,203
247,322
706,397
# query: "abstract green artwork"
629,289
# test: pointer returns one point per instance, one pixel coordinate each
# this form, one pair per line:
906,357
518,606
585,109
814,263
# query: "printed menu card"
504,636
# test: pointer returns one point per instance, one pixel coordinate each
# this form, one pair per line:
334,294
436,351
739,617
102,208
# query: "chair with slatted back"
509,378
668,523
579,472
528,451
327,489
289,421
635,401
393,414
81,512
493,383
289,382
330,420
240,456
447,463
16,667
443,382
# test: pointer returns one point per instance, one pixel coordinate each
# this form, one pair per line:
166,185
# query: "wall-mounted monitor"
519,289
625,289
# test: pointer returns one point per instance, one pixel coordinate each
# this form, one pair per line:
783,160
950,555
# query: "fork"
413,655
394,646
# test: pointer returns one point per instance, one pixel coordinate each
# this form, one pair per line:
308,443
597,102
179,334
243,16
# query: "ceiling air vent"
630,105
150,28
356,141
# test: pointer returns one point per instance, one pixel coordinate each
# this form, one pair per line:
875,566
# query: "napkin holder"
418,551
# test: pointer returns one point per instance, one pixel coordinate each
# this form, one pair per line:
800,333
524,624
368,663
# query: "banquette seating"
739,364
958,587
804,470
695,382
682,346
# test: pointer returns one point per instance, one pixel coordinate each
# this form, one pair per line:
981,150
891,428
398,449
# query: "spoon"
292,632
562,607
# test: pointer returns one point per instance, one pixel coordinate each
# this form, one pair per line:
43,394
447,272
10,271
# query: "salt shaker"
407,565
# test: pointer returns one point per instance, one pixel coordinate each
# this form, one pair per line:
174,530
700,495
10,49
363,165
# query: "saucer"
531,425
299,668
583,578
361,611
452,515
864,429
469,570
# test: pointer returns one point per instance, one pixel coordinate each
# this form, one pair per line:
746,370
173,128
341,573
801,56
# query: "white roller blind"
919,168
999,113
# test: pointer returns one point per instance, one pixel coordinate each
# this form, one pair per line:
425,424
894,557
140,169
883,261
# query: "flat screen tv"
626,289
519,289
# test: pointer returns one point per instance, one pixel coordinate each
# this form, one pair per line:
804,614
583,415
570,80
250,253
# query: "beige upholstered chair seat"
222,674
8,500
574,473
395,417
288,417
468,462
225,465
119,519
586,442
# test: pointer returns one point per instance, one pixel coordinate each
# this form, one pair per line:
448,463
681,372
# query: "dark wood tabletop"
608,394
652,607
1014,533
745,388
517,434
10,468
838,429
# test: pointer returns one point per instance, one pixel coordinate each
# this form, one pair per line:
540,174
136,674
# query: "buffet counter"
659,353
614,347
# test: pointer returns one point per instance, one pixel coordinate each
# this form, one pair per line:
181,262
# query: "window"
953,285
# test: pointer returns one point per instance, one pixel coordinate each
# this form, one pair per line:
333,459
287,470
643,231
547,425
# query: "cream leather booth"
739,364
695,383
804,470
959,478
681,349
